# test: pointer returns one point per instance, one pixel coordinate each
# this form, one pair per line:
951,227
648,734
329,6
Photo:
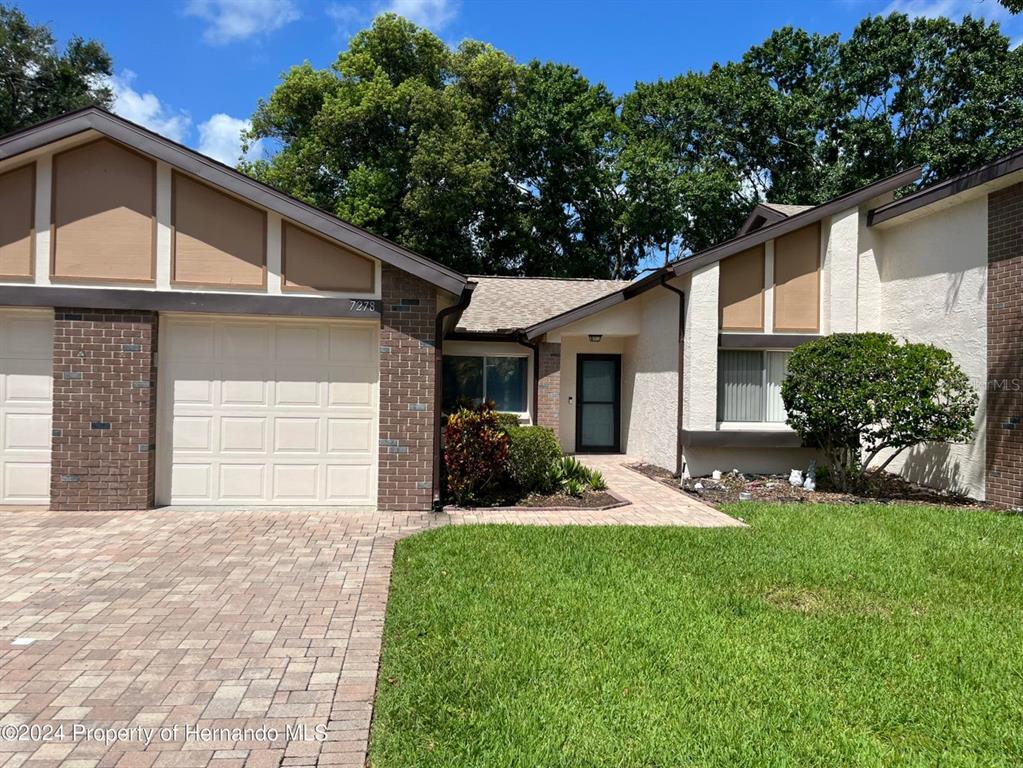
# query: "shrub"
475,454
532,451
573,477
854,395
507,421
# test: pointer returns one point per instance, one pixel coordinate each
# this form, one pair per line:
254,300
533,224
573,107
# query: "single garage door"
258,411
26,405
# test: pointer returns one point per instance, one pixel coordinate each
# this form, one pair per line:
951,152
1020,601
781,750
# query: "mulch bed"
595,500
890,489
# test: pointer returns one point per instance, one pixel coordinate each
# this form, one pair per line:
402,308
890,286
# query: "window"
749,385
477,378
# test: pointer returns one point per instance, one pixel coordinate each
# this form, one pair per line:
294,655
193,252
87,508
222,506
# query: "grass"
821,635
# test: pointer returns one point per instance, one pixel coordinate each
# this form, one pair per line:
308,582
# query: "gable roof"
781,226
769,213
225,177
507,305
948,188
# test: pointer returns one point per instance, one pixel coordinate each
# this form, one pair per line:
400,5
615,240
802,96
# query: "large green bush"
858,395
532,451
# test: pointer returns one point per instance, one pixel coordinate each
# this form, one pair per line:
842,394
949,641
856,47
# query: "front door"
598,403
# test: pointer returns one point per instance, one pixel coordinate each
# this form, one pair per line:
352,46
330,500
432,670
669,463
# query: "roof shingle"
514,303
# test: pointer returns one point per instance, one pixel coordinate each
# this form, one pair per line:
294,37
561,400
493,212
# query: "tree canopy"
38,81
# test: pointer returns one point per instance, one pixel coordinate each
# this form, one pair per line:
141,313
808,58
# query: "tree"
803,118
38,81
857,396
476,161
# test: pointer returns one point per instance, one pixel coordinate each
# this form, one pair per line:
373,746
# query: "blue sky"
193,70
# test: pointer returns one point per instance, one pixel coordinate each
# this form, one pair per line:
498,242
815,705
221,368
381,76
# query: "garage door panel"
244,386
28,381
243,341
194,386
353,345
349,435
27,432
242,482
28,338
299,343
27,482
243,434
192,341
296,435
192,482
283,424
26,405
350,483
297,482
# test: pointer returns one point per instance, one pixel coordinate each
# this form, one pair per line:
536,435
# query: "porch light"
595,337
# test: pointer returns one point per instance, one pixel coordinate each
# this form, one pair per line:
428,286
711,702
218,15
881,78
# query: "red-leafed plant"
475,454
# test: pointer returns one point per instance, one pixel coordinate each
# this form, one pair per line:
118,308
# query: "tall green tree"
465,156
38,80
803,118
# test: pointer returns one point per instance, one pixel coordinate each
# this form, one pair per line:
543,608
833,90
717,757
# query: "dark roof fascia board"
188,301
946,189
507,336
225,177
598,305
794,222
764,340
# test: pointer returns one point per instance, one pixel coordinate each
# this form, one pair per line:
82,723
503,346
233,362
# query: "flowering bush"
475,454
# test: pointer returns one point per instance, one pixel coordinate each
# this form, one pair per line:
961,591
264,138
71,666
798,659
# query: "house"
683,367
176,333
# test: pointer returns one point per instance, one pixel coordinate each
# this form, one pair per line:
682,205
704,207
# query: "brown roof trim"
599,305
225,177
188,301
948,188
794,222
730,340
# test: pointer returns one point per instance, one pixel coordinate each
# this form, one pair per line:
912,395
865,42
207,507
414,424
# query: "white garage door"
26,405
258,411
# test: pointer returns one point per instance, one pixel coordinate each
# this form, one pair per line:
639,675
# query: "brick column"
104,409
1004,476
407,360
548,401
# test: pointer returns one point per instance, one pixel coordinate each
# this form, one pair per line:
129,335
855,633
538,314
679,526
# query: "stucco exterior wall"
933,288
700,369
703,461
650,381
841,258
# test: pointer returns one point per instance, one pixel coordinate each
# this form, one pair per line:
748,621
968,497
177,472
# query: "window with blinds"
749,385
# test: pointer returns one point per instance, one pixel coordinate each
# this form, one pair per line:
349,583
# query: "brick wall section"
104,409
548,387
1004,477
407,374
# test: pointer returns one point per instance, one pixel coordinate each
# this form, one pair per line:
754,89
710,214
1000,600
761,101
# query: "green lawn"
829,636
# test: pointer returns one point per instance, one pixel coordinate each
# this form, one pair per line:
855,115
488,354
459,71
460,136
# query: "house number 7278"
360,305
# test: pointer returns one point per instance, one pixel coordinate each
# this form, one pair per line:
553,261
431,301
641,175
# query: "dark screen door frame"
579,446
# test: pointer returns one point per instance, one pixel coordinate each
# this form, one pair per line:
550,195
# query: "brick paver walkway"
252,625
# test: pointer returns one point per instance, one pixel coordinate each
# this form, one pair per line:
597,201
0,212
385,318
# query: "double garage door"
251,411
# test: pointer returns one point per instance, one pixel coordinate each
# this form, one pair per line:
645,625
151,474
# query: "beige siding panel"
797,280
741,291
313,263
104,204
218,241
17,222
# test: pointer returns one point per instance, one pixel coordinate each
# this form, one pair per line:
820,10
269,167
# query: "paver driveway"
200,624
217,619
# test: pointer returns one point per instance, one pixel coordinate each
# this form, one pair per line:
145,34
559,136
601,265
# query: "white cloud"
432,14
952,9
233,20
220,137
147,110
